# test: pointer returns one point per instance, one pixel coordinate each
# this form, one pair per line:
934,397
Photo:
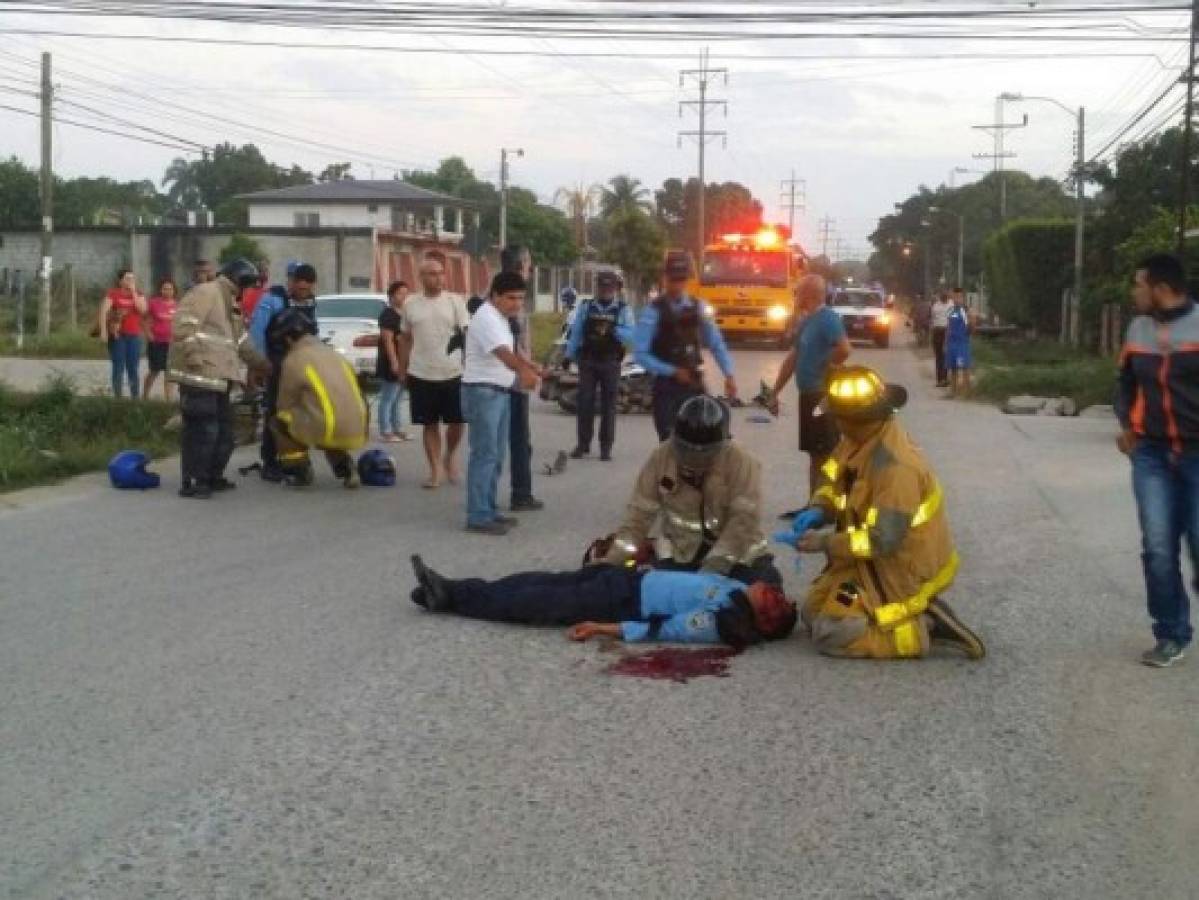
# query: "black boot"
947,628
437,589
195,490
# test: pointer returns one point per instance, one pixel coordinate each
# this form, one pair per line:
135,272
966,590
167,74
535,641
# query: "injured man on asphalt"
618,601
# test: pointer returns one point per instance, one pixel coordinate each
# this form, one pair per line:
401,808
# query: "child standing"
957,344
161,309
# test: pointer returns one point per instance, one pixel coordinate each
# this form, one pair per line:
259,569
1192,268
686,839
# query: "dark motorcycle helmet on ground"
701,431
377,469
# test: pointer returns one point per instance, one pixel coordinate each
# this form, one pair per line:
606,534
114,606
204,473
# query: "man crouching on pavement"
620,602
319,405
890,553
707,491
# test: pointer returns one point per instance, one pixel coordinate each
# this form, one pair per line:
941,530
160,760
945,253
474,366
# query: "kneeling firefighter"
320,403
891,553
707,491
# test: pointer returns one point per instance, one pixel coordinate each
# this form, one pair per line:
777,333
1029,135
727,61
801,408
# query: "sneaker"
1165,654
579,453
947,628
351,480
526,504
496,528
223,484
507,521
420,597
437,594
605,456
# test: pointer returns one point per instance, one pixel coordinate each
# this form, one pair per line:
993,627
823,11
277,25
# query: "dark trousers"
668,396
592,594
520,447
207,441
939,354
761,569
606,377
269,451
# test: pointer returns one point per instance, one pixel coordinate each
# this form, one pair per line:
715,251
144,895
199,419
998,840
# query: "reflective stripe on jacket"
319,398
1158,395
892,537
725,512
208,341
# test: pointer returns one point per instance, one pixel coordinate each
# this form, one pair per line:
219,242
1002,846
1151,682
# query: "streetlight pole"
1080,197
504,151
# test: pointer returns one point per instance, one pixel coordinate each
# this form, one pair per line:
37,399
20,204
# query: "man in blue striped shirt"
620,602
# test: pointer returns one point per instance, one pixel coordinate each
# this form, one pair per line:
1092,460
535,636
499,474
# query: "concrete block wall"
94,254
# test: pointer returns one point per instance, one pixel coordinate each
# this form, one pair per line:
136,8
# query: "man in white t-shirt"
432,375
939,316
492,369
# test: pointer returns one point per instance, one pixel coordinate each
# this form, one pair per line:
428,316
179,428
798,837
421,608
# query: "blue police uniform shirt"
647,327
273,301
815,339
624,327
685,605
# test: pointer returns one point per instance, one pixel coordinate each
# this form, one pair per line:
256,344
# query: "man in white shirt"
939,316
492,369
433,376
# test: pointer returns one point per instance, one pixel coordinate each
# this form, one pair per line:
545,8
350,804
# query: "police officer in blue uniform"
618,601
601,329
300,295
668,343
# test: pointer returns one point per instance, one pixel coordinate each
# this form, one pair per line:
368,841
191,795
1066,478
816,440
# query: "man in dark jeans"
520,448
1158,407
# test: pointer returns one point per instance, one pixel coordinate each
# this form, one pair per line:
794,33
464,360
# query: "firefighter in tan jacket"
208,347
705,490
320,403
890,553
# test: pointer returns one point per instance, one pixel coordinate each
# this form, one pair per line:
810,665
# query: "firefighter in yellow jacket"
320,404
890,554
705,490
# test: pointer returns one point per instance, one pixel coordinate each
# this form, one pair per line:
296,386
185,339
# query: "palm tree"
579,202
625,194
183,189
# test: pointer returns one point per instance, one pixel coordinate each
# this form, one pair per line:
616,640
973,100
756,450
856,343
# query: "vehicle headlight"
884,319
776,313
708,309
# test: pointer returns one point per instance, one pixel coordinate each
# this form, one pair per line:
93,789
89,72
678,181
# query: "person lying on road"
618,601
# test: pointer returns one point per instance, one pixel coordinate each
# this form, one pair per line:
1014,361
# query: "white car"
350,324
864,313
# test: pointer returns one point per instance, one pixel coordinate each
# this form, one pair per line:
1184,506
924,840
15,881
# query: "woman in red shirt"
158,332
121,314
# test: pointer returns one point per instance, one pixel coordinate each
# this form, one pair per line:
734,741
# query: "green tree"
216,182
1028,265
636,243
543,229
242,246
336,172
728,207
20,203
579,202
624,193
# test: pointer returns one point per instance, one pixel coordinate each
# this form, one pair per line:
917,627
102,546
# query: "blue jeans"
124,353
1166,486
391,410
486,410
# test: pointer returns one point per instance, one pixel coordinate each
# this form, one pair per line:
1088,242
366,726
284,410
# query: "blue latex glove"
807,520
786,536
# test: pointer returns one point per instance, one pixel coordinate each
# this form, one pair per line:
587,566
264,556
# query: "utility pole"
504,151
790,202
47,192
703,76
1184,176
826,225
1080,199
998,130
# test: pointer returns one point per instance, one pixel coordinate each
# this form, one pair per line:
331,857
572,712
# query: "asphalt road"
236,699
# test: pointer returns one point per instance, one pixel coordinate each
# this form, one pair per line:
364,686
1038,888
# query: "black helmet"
701,430
241,272
290,322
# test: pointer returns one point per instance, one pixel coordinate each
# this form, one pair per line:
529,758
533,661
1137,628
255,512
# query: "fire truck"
747,281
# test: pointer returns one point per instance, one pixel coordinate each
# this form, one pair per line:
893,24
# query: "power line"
60,121
703,76
1139,117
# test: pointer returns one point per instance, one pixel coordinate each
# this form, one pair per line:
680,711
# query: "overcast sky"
863,132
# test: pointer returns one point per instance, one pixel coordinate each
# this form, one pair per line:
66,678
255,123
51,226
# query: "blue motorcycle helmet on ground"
127,471
376,469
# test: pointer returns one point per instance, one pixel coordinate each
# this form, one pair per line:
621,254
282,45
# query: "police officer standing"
602,328
300,295
668,343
